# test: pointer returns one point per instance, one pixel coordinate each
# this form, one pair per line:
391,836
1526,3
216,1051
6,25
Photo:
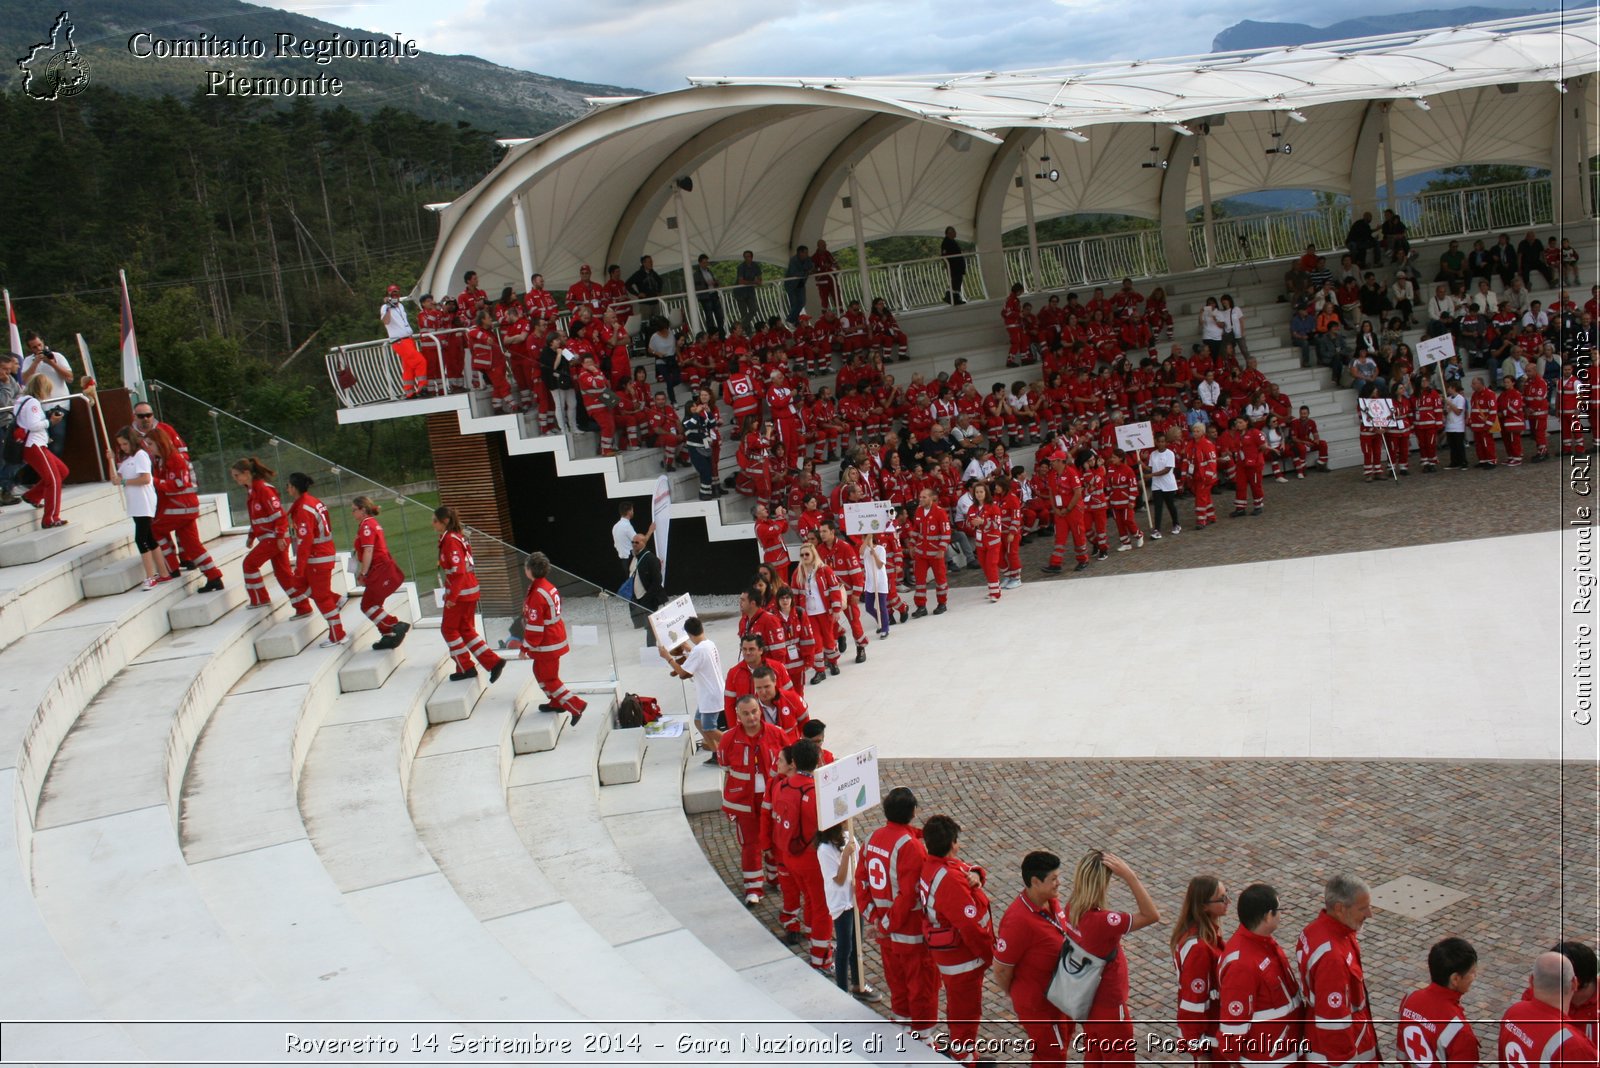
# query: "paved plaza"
1328,687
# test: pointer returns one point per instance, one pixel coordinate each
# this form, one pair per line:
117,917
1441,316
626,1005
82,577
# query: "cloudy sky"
653,44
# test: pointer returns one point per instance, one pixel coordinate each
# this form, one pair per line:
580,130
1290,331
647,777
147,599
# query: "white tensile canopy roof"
773,160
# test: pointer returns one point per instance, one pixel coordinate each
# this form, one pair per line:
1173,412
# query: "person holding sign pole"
1162,465
1455,425
697,659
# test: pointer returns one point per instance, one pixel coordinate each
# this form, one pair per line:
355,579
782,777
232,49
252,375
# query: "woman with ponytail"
461,601
268,540
376,573
314,556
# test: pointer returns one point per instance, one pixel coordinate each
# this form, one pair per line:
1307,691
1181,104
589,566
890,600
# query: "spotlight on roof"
1180,128
1155,162
1561,87
1422,103
685,183
1297,116
1280,147
1074,135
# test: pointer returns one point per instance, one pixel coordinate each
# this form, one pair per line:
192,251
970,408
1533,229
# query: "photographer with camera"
43,361
413,368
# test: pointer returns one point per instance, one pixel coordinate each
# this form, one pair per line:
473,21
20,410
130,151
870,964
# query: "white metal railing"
1088,261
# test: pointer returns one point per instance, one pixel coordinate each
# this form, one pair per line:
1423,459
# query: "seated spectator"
1516,297
1472,333
1536,318
1480,264
1503,255
1303,333
1453,267
1372,298
1364,374
1360,239
1320,275
1402,297
1393,333
1569,263
1367,339
1332,345
1393,235
1530,260
1297,280
1441,311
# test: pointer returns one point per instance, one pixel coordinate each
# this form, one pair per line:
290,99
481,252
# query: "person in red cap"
413,368
586,291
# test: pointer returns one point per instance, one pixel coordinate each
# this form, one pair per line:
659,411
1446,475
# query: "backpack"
798,842
635,711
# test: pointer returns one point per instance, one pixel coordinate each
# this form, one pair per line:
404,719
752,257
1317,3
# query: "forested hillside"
249,233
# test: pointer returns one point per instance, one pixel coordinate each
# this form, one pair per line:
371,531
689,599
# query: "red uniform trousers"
1128,524
963,1008
807,872
758,481
792,441
547,673
1097,525
606,420
1371,454
380,582
1048,1028
47,491
526,370
913,981
1011,556
319,581
797,679
1018,344
190,547
989,560
1247,486
920,566
1483,445
413,367
1109,1041
461,636
896,570
1399,442
827,639
455,358
1427,445
1071,525
852,612
747,828
1571,432
275,552
1541,432
1302,450
825,443
1205,511
1511,438
494,372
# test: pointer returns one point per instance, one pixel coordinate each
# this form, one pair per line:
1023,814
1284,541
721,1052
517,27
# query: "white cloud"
654,44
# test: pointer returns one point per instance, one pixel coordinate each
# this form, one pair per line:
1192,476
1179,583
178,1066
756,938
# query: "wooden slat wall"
471,476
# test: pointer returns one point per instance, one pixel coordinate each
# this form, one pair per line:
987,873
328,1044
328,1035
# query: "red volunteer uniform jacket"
543,632
1534,1035
267,521
1196,961
1339,1026
1433,1030
955,916
313,535
749,763
1261,1024
455,560
1029,940
891,864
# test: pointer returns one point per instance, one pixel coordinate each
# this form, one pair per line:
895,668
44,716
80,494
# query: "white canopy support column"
1569,162
519,211
987,222
1388,155
1207,223
1036,276
691,306
1364,162
1175,205
860,238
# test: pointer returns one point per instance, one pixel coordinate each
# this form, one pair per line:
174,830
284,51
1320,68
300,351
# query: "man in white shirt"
622,533
1455,425
697,659
40,359
1210,391
1536,318
1163,463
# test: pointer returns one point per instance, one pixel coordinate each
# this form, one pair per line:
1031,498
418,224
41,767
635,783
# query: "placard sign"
1377,413
668,620
1131,437
867,517
847,787
1435,349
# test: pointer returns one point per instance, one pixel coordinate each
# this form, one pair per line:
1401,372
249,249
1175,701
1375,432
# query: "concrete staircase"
200,833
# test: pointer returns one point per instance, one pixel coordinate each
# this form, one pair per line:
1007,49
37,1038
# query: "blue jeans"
845,969
796,292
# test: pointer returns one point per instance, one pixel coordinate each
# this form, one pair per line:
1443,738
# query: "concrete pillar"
990,209
1389,199
1175,205
519,211
691,306
861,241
1570,152
1207,224
1364,161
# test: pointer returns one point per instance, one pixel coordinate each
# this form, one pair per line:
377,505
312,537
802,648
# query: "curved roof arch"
769,157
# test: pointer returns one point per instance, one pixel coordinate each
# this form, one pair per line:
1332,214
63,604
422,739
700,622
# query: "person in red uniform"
488,360
1534,1031
824,273
1008,497
844,558
1122,490
755,652
438,334
886,883
178,511
1481,416
771,526
1249,463
798,646
376,573
1397,438
957,929
1536,405
748,752
987,523
1066,506
819,592
268,540
1027,948
461,600
1196,945
544,638
1108,1030
1339,1028
1430,422
586,291
539,302
794,815
593,388
1432,1028
314,556
1584,1012
1570,404
471,299
1261,1025
1509,406
929,540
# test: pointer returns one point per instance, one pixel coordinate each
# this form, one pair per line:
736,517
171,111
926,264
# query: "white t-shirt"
141,499
875,570
397,324
840,897
706,667
50,368
815,605
1455,414
622,538
1159,458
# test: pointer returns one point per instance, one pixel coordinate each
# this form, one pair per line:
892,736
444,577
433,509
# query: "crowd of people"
1241,998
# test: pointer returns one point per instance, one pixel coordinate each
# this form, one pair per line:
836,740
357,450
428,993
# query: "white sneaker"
1124,547
329,643
1176,530
1300,474
1280,478
1155,535
151,582
1138,542
263,604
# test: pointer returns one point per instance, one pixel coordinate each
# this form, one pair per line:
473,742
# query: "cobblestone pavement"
1335,513
1518,839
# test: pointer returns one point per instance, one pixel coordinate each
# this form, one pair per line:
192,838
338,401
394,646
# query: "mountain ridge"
1250,34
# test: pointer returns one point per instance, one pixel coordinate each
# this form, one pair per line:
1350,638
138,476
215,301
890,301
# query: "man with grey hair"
1533,1031
1339,1027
